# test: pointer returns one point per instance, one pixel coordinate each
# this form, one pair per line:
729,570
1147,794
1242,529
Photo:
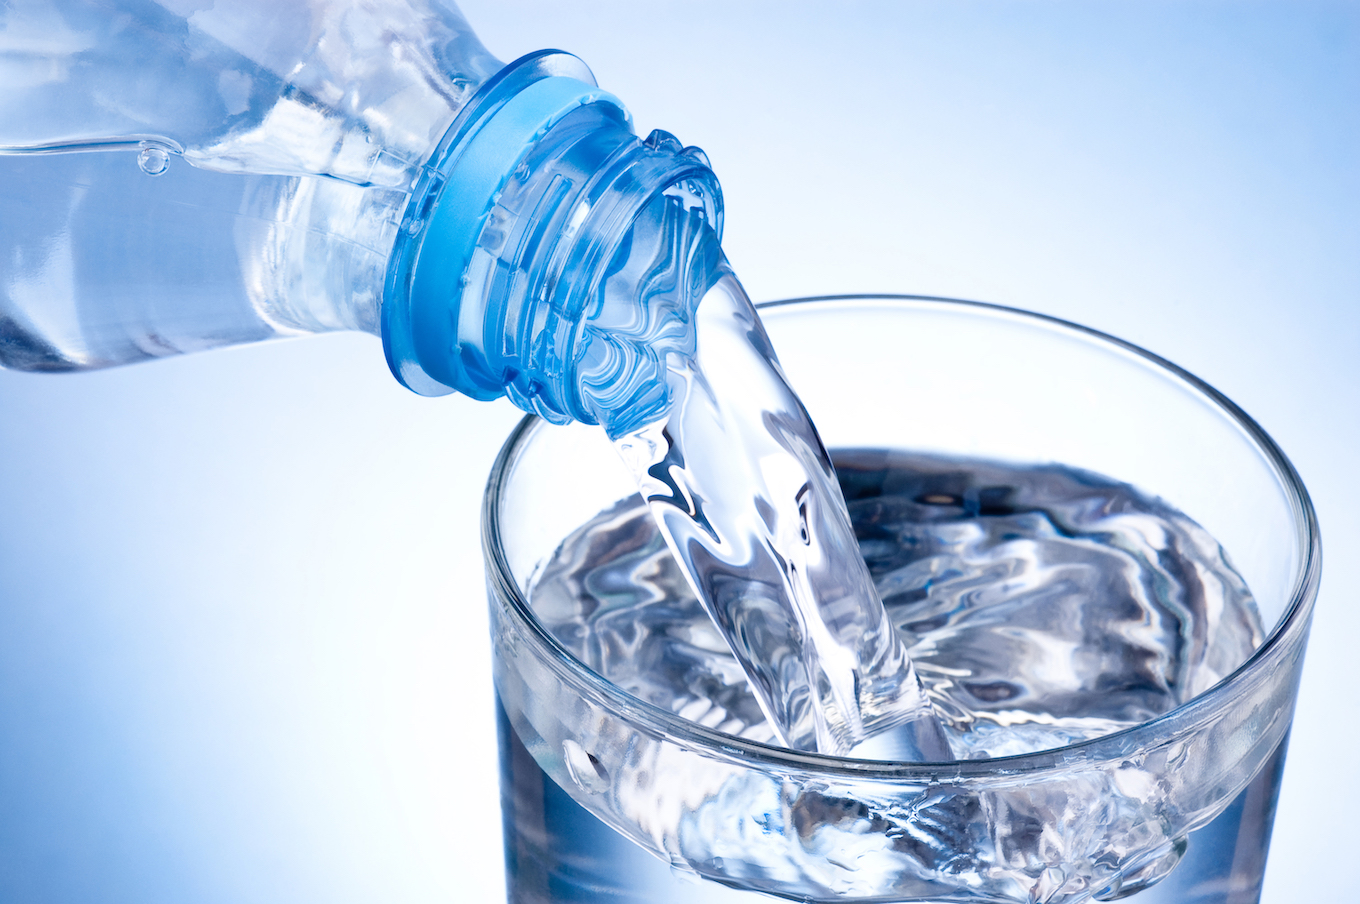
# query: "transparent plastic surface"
356,91
180,177
611,798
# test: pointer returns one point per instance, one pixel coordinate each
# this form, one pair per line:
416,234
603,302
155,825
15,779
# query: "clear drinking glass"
607,798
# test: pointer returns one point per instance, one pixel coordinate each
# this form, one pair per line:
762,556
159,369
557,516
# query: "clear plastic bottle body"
357,90
244,178
179,179
105,265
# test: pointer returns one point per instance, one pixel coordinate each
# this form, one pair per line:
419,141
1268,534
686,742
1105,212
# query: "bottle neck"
508,277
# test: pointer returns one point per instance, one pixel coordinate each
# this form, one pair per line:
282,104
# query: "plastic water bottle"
176,178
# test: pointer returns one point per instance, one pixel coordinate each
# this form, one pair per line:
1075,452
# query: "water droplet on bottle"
153,160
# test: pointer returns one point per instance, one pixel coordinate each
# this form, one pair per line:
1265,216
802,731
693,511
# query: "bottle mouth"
553,378
508,237
450,205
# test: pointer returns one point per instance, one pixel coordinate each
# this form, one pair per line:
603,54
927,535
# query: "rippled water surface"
1041,605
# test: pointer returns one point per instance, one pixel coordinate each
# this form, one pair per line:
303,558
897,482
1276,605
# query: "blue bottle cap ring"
420,329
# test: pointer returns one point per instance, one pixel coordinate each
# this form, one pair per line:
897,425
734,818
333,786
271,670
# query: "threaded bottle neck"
533,208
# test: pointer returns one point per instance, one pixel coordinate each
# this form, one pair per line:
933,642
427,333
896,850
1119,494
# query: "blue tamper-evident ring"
474,181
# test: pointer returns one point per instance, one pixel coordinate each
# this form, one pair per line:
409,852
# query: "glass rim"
1199,710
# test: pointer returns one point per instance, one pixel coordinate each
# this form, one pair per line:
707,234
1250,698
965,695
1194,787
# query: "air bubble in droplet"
153,160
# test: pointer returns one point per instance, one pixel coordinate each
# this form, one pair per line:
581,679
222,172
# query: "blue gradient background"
243,652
